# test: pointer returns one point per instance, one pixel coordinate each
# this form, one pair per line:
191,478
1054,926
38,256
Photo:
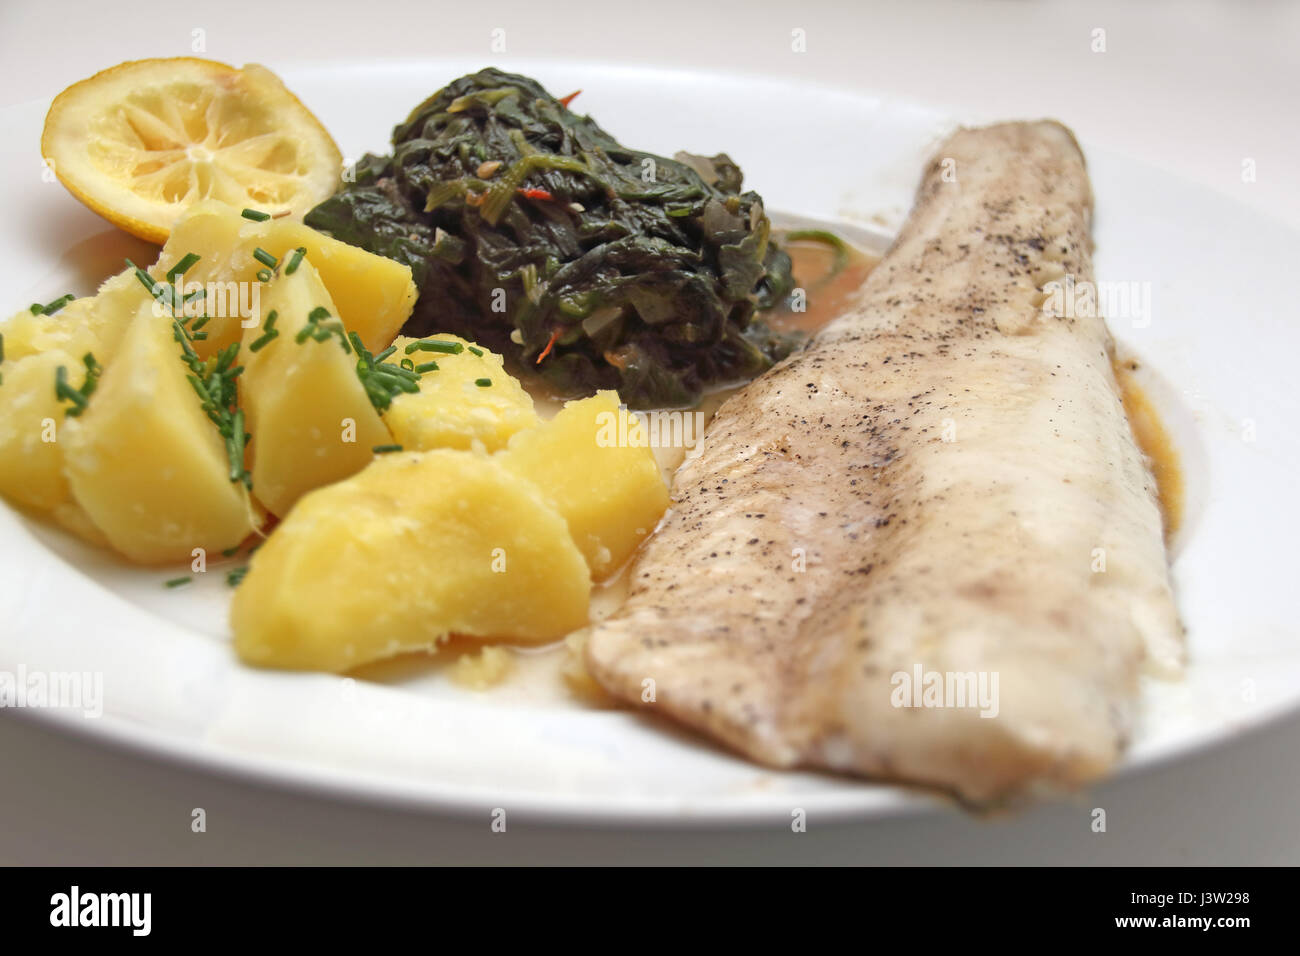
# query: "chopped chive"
408,365
197,384
427,345
181,267
263,275
202,321
294,261
78,397
2,346
302,335
478,352
236,441
383,382
93,371
263,340
386,449
178,582
182,335
391,386
52,307
318,313
426,367
264,257
397,371
226,356
64,391
37,308
230,552
145,279
213,380
255,215
270,320
482,382
236,575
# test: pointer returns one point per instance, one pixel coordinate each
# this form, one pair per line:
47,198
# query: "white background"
1195,88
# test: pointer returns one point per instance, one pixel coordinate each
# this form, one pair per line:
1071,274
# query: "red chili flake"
535,194
555,334
565,101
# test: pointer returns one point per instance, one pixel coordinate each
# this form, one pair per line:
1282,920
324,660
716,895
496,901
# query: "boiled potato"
68,331
374,295
451,410
145,462
417,546
311,420
483,668
612,496
89,324
31,424
226,270
31,416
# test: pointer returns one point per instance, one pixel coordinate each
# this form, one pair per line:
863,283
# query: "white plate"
1218,354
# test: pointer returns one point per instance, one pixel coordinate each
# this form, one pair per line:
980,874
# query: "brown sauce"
827,293
1153,439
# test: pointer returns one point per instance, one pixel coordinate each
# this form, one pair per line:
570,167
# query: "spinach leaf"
531,229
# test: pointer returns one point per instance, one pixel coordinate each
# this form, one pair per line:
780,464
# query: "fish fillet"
942,486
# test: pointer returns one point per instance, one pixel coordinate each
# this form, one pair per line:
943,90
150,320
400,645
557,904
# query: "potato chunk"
611,495
31,422
93,323
415,547
483,668
308,413
31,416
226,271
374,295
145,462
452,410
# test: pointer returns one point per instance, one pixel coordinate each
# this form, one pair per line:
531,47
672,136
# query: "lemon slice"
141,142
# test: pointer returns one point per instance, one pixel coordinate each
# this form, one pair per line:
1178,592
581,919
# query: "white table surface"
1195,88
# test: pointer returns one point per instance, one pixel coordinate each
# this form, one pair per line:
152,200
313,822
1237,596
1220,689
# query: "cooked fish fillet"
943,483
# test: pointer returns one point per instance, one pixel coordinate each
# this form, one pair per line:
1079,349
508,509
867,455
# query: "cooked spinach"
531,229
